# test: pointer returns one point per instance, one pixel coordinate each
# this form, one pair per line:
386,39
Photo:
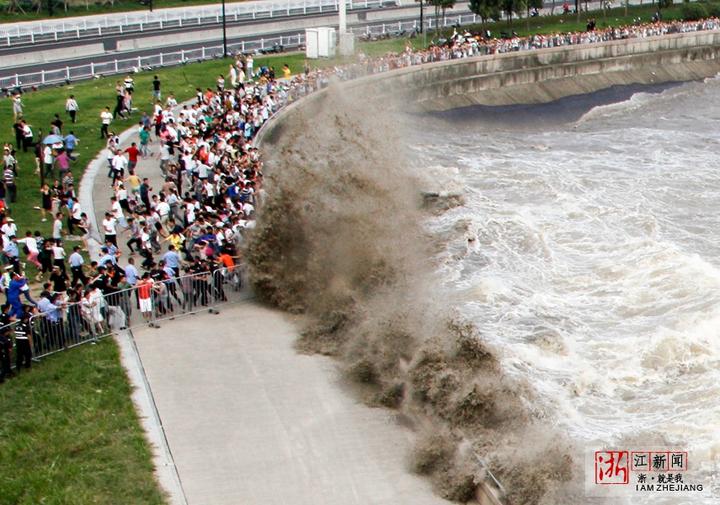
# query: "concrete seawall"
537,76
517,78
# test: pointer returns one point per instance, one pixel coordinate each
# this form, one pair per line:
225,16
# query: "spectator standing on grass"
249,66
57,232
72,108
18,129
119,100
9,180
9,160
106,118
157,95
232,74
48,161
17,106
46,206
56,125
129,84
27,136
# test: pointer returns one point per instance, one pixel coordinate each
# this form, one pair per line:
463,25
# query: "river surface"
594,257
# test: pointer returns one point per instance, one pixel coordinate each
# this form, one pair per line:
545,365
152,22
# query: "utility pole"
225,51
346,39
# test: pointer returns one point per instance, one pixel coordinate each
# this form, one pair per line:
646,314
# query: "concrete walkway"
250,421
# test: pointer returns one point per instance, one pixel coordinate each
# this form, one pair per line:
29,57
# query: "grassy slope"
70,434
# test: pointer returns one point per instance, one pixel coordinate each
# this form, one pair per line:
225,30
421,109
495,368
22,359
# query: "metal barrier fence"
131,65
136,22
99,315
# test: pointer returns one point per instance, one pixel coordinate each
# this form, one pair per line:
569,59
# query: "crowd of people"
175,242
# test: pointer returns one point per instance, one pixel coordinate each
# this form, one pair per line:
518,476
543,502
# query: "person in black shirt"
57,123
59,280
200,272
156,88
18,127
23,342
5,342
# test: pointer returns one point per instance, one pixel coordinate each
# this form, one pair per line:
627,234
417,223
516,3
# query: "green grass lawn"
70,435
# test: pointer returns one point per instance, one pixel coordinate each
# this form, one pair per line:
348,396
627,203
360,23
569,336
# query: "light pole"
225,51
422,15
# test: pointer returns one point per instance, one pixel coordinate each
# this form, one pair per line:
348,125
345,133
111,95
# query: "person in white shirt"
117,212
105,120
233,76
57,226
58,253
109,225
163,209
31,249
48,161
76,213
249,66
71,106
9,227
119,163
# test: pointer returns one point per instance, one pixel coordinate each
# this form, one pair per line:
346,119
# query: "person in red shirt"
144,292
132,152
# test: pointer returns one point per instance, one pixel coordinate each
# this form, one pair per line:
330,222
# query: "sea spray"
339,238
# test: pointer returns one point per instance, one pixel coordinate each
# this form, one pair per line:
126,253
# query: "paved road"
111,56
250,421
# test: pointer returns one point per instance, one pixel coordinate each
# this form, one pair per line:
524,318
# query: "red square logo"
612,467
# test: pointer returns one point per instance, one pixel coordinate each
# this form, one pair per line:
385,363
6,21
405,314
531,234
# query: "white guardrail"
140,21
131,65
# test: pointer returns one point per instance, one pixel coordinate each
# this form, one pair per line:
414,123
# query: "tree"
441,5
444,5
510,7
486,9
532,4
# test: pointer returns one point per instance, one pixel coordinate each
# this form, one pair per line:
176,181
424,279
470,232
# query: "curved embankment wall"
539,76
313,139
